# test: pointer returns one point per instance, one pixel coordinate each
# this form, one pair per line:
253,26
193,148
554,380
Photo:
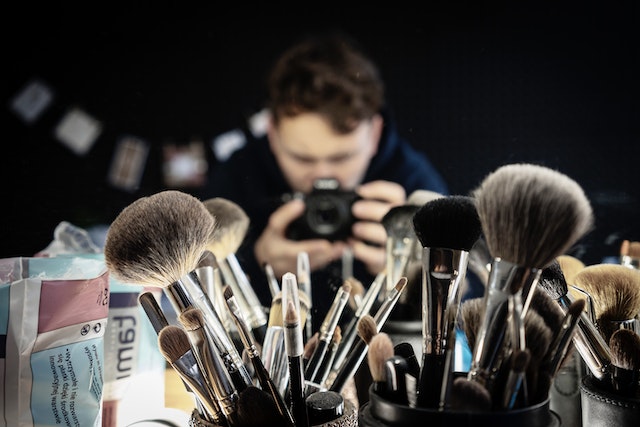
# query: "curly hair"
326,74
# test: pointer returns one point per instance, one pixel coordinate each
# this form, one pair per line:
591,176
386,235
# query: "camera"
327,214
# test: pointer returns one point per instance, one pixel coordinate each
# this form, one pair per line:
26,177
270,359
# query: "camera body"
327,214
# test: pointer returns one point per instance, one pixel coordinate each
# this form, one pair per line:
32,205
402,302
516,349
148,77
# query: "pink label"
68,302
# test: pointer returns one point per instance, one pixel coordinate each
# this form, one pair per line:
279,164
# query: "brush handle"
267,385
351,331
313,365
431,380
296,391
590,344
349,367
505,279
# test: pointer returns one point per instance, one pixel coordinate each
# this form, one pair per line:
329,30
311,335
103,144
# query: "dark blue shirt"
251,178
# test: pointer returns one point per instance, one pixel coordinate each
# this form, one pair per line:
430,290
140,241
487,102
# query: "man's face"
307,148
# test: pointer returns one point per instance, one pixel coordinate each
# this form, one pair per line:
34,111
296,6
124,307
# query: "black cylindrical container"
382,413
601,407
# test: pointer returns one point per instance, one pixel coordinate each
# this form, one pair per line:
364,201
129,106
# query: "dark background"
473,84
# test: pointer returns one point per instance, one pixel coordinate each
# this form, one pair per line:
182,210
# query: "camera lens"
327,215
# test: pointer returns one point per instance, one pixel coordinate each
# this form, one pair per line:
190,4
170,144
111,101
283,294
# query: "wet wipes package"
53,317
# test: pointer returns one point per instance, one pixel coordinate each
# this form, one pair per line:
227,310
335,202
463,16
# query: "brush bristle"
547,308
367,328
552,280
450,222
173,342
380,349
227,292
310,345
357,291
257,408
625,349
420,197
208,259
337,335
520,360
570,266
614,288
471,316
538,336
158,239
191,318
530,214
470,396
232,224
397,221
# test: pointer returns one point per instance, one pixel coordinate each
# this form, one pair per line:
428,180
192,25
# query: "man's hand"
369,235
275,248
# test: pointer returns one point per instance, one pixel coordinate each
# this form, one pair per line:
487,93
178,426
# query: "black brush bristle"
552,280
450,222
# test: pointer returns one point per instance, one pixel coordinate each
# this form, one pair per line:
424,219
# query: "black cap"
324,406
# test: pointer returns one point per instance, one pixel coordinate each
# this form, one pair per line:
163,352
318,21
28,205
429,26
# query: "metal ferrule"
333,315
442,274
505,279
243,328
187,292
398,254
589,342
255,314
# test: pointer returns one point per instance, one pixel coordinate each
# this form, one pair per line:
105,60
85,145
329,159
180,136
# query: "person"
326,118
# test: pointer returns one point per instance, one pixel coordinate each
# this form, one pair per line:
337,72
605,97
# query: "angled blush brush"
530,214
159,241
447,228
232,224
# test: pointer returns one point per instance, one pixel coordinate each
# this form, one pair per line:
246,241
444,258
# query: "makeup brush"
630,254
210,363
309,348
469,396
561,344
447,228
530,214
350,329
625,361
327,362
357,293
367,329
518,366
232,225
210,279
158,321
158,241
570,266
399,243
327,328
272,280
294,348
256,408
176,348
471,315
615,290
380,349
587,340
266,383
538,337
303,274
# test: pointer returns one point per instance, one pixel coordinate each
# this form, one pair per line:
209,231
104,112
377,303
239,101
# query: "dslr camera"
327,214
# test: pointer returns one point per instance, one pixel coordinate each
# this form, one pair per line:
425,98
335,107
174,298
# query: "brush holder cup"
603,408
379,412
